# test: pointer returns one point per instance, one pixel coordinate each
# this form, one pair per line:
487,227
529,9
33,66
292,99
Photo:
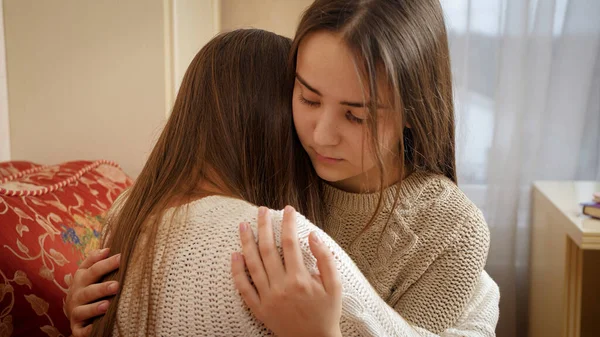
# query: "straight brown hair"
231,128
402,43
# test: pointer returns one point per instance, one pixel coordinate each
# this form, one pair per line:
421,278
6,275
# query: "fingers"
252,259
242,283
94,257
95,292
326,264
83,313
91,270
290,244
94,273
266,245
81,331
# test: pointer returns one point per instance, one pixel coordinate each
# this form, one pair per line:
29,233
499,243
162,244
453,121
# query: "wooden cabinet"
564,298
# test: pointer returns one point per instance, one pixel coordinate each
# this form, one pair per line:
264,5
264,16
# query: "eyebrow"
309,87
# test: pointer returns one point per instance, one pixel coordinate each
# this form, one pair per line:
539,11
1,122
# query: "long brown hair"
401,43
230,128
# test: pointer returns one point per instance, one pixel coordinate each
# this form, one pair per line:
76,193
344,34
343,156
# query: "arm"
437,300
477,319
364,313
481,314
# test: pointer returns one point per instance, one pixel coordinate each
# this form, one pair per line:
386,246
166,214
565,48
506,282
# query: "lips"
326,158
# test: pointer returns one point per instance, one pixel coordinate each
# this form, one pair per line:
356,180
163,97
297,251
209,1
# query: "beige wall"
279,16
86,79
92,79
194,23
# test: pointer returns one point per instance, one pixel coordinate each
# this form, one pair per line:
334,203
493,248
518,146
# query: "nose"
326,130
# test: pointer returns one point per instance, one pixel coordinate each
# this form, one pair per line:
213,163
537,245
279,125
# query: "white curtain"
527,89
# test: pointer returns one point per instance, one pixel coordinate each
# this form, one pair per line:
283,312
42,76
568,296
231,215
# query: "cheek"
359,143
389,139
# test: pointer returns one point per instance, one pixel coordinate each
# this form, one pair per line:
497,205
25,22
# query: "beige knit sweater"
426,262
192,293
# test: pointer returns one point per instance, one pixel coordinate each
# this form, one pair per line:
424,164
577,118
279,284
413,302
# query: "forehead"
326,63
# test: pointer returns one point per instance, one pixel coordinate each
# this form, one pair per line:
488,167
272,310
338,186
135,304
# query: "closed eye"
309,103
353,119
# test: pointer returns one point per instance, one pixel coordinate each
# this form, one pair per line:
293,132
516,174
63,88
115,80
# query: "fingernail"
262,211
112,287
288,209
235,256
102,307
101,251
243,227
118,257
316,237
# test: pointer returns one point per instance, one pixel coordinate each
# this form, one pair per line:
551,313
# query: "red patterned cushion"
50,218
10,168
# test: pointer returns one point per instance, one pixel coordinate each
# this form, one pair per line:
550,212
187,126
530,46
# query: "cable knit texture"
426,260
192,292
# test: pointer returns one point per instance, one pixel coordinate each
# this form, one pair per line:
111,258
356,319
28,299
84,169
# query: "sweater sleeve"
481,314
450,281
365,312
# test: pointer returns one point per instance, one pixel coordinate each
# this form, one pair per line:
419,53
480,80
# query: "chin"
328,174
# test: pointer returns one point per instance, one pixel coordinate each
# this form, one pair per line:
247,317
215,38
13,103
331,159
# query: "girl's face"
330,117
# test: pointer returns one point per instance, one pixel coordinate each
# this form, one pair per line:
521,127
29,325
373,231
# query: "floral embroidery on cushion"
6,289
15,185
9,168
6,326
84,233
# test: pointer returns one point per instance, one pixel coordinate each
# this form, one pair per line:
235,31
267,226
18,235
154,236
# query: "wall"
194,23
94,79
4,121
86,79
279,16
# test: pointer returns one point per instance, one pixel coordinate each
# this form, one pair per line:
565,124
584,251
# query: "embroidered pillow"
51,217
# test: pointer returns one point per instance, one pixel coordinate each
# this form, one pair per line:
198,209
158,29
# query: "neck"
369,181
212,184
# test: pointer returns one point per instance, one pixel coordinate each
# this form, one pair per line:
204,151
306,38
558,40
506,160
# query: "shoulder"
428,190
217,203
215,209
200,225
439,196
438,205
219,213
303,225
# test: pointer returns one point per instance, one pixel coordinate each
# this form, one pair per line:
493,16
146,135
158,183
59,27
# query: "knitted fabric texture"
192,292
426,261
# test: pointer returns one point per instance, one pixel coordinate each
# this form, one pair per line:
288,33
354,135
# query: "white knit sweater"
192,292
